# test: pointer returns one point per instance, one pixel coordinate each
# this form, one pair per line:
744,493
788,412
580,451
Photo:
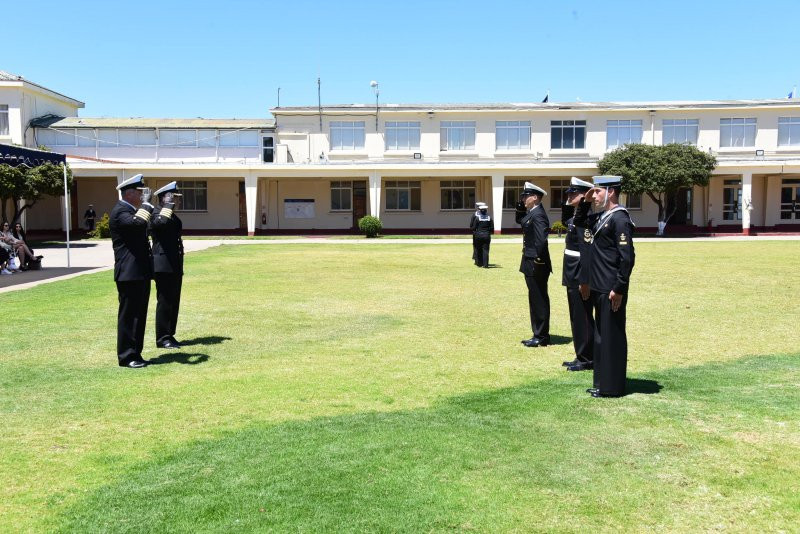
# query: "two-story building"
421,168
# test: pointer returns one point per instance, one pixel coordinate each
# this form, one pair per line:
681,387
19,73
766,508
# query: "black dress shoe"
135,364
526,341
533,343
598,395
569,364
580,366
168,344
592,390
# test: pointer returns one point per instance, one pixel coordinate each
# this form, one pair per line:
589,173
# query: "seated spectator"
19,235
19,247
4,256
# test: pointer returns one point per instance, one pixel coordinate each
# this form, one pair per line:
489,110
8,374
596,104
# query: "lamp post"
377,92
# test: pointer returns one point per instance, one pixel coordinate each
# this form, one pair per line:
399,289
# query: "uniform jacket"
132,257
534,240
167,242
577,252
612,256
481,228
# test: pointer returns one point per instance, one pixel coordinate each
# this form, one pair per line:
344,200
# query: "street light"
377,92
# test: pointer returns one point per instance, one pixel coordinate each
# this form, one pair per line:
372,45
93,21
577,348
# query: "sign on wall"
298,208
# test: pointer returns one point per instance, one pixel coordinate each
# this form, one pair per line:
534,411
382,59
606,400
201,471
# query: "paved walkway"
95,256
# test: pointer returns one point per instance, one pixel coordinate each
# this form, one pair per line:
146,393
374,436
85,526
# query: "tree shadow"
646,387
205,340
187,358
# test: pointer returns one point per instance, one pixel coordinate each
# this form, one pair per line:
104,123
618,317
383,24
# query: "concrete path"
89,256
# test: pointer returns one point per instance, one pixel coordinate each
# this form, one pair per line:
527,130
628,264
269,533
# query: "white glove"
146,194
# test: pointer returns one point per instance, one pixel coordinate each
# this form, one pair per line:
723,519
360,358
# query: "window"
681,131
737,132
567,134
195,195
512,135
402,135
65,137
207,138
87,137
557,193
633,201
790,199
788,131
268,149
732,200
45,137
347,135
457,135
137,137
403,195
341,196
107,137
623,132
238,138
512,189
3,119
178,138
458,194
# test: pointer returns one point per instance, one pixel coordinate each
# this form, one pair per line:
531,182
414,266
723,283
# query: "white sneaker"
6,271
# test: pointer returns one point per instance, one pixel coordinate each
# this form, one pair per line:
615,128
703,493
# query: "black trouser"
168,294
582,322
482,250
474,250
539,303
610,345
131,319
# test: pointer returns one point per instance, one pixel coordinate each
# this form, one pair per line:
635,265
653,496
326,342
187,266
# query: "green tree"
660,172
29,184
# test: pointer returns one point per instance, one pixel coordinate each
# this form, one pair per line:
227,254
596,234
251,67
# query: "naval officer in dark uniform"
165,230
576,274
133,268
482,228
610,230
535,263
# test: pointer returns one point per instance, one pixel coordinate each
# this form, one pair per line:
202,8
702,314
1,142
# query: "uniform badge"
587,236
623,239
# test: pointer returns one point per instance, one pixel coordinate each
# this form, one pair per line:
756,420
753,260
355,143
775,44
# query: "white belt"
569,252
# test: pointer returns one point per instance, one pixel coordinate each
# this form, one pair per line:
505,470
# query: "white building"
420,168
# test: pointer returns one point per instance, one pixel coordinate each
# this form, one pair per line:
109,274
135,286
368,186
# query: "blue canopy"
16,155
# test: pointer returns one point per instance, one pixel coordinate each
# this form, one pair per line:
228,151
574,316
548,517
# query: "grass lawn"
384,388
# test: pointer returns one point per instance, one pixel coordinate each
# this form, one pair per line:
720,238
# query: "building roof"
138,122
542,106
8,77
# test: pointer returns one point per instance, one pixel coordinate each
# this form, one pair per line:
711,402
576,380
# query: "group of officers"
133,222
597,265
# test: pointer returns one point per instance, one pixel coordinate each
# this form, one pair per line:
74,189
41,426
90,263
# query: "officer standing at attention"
482,228
576,274
610,230
133,268
535,263
165,229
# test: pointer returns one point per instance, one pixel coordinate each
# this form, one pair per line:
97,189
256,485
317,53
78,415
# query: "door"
242,207
732,200
790,200
683,207
359,201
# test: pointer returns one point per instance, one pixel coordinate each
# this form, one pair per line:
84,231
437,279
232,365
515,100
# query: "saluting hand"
616,300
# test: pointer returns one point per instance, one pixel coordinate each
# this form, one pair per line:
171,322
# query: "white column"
250,192
747,201
374,194
498,184
264,205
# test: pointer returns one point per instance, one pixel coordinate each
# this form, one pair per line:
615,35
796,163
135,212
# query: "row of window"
127,137
4,119
565,134
406,195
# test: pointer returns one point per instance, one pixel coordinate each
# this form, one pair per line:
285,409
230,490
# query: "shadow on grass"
497,460
206,340
190,358
637,385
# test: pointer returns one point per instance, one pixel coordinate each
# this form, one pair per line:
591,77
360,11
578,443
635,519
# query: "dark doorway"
359,201
683,207
242,207
73,206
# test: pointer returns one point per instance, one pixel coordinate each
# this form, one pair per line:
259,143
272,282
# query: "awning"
17,155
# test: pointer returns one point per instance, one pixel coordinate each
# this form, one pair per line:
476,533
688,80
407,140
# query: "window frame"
407,127
561,126
467,132
745,124
560,185
339,186
674,125
789,124
506,126
467,200
5,120
618,126
512,189
340,128
185,189
408,186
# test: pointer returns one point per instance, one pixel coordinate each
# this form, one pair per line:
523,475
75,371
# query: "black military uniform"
133,270
535,265
613,257
482,228
577,271
165,229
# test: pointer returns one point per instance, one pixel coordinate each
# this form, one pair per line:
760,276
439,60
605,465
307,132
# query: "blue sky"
228,58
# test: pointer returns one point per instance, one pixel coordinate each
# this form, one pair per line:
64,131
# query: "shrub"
558,227
101,228
371,226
